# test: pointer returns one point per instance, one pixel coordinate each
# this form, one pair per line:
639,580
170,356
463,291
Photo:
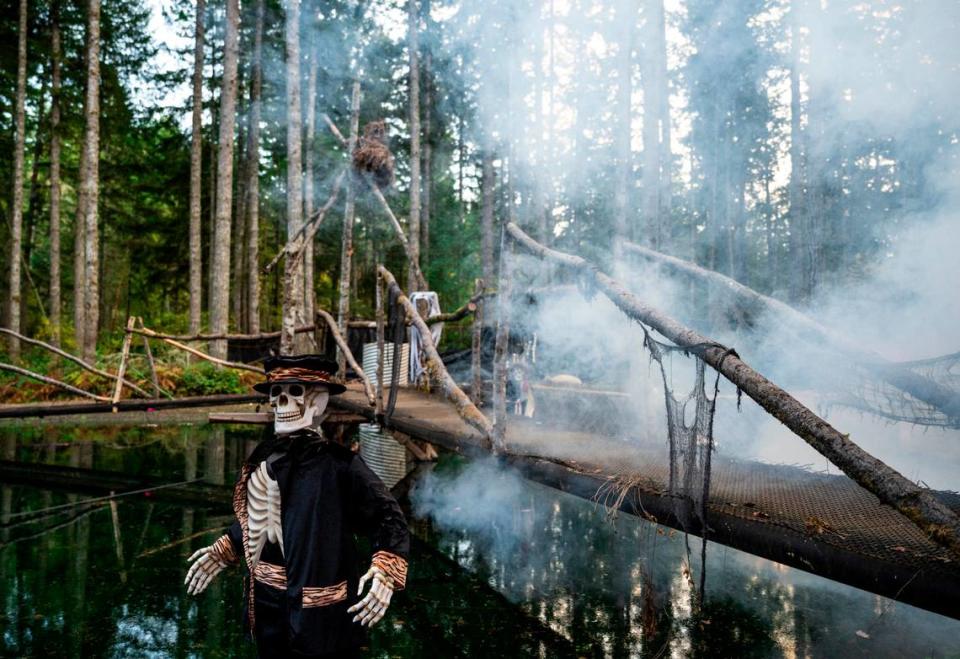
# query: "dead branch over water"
54,382
438,372
892,488
345,351
918,386
76,360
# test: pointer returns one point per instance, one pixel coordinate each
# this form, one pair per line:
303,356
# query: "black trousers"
271,630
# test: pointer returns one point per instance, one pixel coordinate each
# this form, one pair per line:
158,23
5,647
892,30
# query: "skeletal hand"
206,565
372,607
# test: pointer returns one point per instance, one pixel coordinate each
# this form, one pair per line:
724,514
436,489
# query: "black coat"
328,496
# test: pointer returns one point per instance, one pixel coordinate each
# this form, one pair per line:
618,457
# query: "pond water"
500,567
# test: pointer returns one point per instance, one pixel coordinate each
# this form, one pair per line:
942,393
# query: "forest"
163,154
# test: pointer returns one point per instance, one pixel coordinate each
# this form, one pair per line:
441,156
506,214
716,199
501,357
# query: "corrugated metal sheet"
370,362
383,454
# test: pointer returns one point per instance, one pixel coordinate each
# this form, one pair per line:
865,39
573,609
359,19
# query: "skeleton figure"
298,408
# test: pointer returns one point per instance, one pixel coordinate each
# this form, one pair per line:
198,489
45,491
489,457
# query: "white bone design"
263,512
296,406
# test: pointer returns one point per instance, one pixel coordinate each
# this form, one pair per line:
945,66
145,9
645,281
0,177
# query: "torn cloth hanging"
429,301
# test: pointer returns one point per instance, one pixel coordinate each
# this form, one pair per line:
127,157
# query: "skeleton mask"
297,406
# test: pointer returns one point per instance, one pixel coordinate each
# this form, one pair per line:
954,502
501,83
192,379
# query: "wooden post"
380,343
127,338
153,366
892,488
345,351
476,361
434,364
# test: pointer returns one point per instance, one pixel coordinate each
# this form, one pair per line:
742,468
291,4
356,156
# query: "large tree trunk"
90,184
309,287
196,164
253,178
655,123
624,163
427,178
293,265
799,231
55,302
413,46
346,246
487,185
918,504
220,295
16,215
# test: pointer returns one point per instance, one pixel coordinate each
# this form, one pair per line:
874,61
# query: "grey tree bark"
16,214
253,177
427,179
90,186
196,164
653,124
310,119
293,265
487,185
628,19
413,46
55,299
220,294
346,246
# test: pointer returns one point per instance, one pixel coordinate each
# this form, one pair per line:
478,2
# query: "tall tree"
220,295
656,126
346,246
413,46
87,286
290,342
252,188
55,301
487,186
196,172
16,215
624,163
310,121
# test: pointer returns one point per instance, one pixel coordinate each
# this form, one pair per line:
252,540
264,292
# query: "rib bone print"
263,512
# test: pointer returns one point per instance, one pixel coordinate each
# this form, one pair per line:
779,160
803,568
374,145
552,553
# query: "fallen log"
48,380
128,405
76,360
469,307
917,503
918,386
193,351
345,351
434,364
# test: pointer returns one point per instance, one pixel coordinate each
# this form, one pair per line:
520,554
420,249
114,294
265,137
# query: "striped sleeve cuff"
223,550
393,566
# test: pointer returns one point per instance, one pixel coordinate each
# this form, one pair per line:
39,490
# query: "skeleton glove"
371,608
208,563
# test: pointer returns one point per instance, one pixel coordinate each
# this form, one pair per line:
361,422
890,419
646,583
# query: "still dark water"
500,567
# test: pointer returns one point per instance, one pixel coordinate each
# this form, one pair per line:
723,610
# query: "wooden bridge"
824,524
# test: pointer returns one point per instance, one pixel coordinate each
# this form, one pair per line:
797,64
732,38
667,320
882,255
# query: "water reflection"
630,588
61,594
503,567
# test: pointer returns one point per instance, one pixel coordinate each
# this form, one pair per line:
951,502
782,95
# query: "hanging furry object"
372,155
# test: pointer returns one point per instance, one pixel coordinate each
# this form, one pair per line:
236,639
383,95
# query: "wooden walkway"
824,524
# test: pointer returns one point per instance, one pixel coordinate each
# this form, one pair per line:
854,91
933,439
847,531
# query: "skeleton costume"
299,502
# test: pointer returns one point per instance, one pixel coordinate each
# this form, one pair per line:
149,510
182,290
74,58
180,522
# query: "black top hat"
300,369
